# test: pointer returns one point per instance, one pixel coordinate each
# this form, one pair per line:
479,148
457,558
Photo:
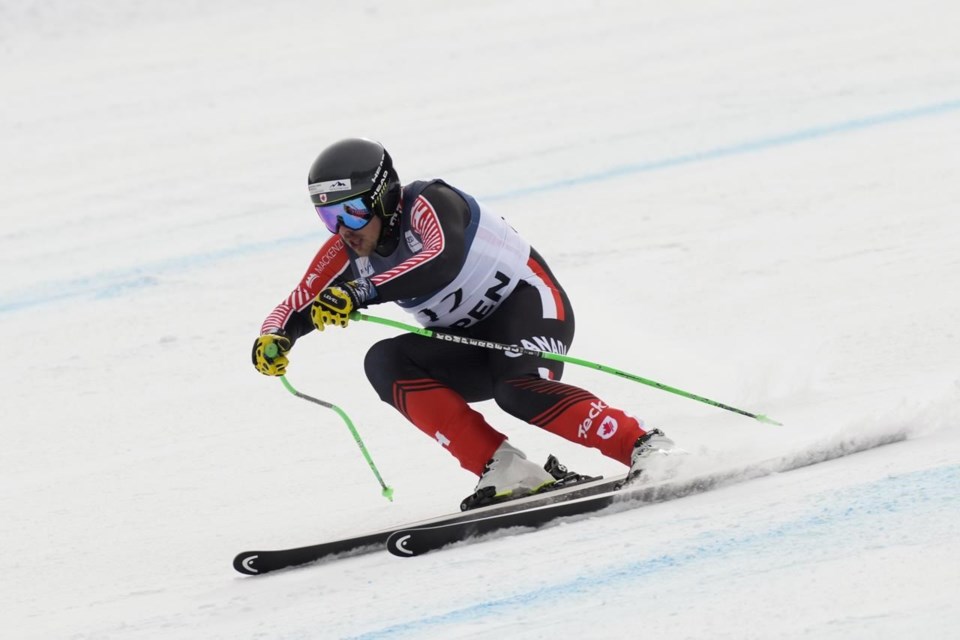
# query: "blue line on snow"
859,509
122,281
117,282
741,148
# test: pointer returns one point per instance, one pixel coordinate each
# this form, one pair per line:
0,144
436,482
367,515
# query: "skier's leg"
538,315
430,383
571,413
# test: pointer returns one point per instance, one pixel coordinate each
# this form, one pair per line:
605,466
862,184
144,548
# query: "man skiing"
443,257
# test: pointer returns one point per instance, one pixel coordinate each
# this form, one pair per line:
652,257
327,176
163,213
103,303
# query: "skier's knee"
510,397
380,366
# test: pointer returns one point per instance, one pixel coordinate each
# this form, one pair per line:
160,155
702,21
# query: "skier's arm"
291,318
439,216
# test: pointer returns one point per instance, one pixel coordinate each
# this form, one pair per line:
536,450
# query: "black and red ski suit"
461,269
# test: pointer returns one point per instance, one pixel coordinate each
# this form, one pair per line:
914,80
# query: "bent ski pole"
271,351
546,355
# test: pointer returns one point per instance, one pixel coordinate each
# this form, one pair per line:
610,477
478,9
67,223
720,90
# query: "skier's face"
362,241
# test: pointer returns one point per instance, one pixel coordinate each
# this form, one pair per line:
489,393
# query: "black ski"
414,541
259,562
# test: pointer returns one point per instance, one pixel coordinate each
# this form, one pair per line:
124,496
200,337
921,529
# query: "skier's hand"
333,305
269,354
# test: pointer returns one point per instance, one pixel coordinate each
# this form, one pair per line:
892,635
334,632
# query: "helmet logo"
317,188
322,197
379,180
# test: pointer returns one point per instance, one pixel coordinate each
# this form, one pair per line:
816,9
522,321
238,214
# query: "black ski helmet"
359,167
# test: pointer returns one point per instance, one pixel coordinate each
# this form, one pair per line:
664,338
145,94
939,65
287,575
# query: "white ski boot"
650,454
509,473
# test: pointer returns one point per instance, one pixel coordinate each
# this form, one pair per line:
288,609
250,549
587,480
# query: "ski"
259,562
414,541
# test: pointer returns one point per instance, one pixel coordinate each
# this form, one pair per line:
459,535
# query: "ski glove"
278,345
334,305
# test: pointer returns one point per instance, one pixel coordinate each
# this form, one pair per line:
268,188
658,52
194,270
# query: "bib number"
480,310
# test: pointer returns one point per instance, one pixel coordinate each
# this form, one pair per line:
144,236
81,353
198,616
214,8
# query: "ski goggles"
353,214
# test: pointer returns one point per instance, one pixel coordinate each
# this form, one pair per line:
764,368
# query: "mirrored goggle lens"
352,214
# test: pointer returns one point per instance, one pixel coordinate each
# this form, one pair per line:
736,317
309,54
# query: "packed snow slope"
752,201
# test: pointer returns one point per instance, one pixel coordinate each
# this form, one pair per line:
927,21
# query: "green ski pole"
271,352
546,355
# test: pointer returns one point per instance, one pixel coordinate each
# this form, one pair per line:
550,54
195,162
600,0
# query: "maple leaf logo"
608,427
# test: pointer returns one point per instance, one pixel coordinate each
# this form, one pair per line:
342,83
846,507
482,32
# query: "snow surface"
753,201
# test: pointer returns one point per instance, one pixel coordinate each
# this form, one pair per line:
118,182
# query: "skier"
446,259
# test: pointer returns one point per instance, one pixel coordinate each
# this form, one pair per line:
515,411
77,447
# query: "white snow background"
753,201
